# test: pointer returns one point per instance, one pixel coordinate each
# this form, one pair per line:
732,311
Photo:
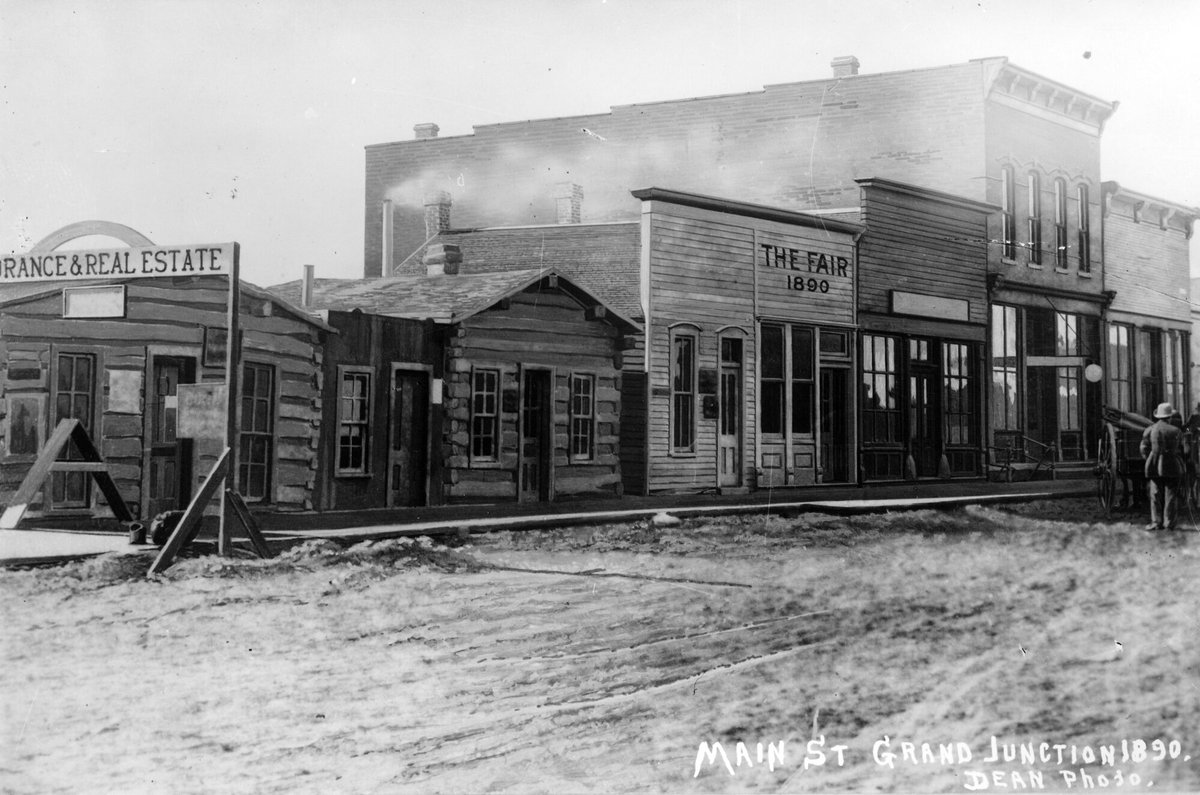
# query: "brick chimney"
437,213
442,259
426,131
844,66
569,198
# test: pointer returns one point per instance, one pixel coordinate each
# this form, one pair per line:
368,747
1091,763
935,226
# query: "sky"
198,121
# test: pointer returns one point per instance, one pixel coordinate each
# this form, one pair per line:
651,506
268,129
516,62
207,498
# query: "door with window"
537,440
408,455
729,443
170,456
74,399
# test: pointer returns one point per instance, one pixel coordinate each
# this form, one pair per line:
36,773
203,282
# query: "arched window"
1008,220
1085,240
1060,224
1035,219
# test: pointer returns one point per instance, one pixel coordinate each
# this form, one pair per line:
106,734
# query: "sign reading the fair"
211,259
809,271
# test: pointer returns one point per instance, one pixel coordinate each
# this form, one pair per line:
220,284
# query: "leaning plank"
243,514
189,524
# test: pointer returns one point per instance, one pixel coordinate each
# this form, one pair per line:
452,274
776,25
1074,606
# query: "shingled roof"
604,259
445,299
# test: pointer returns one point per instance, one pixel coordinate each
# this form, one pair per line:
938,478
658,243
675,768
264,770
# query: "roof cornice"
1013,86
762,211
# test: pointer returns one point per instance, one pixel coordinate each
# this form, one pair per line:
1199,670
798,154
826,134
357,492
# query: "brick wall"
796,146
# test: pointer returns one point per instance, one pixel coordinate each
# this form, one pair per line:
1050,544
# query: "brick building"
1149,319
985,131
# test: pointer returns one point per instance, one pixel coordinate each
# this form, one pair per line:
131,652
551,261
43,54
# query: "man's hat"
1163,411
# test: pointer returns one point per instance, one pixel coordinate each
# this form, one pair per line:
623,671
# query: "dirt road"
892,649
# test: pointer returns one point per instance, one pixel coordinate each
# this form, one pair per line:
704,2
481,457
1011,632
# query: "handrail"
1049,452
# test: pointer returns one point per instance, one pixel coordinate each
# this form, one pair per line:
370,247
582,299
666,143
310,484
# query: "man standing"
1162,445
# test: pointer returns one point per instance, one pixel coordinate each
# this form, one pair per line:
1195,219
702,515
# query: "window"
1035,219
74,398
354,421
958,405
1174,371
24,425
583,416
1120,365
1151,353
881,409
802,380
771,388
1066,334
1005,360
731,386
1085,240
1008,221
683,392
1060,224
485,414
257,432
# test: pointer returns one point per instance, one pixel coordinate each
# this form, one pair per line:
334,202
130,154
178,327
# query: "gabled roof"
445,299
604,258
23,292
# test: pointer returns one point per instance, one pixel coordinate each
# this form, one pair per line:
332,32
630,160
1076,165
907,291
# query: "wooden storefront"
749,355
510,381
118,353
923,308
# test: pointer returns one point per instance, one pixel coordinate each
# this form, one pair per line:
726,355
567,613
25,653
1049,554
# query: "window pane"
772,352
802,353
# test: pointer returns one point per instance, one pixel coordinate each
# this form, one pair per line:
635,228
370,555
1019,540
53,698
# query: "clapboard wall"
377,343
716,269
165,316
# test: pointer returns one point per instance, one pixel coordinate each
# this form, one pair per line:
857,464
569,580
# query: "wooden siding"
373,342
167,317
704,268
543,329
922,246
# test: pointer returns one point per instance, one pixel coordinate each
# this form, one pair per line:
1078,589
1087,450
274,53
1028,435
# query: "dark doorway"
924,423
408,453
835,425
170,456
537,439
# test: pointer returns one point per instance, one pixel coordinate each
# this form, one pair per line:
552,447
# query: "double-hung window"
354,421
1035,219
1008,219
1085,239
257,432
683,392
583,416
485,414
1060,224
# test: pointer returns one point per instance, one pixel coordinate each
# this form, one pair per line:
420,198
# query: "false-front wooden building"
456,386
116,354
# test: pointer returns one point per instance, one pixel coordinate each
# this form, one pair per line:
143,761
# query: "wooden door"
924,421
729,443
835,425
170,457
74,398
408,453
537,439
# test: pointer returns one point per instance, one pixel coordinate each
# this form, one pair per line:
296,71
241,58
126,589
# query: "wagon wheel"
1106,468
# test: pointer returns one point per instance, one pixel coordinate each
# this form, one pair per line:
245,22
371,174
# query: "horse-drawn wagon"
1119,458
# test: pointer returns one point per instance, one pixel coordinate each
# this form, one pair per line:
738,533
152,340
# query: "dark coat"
1162,445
